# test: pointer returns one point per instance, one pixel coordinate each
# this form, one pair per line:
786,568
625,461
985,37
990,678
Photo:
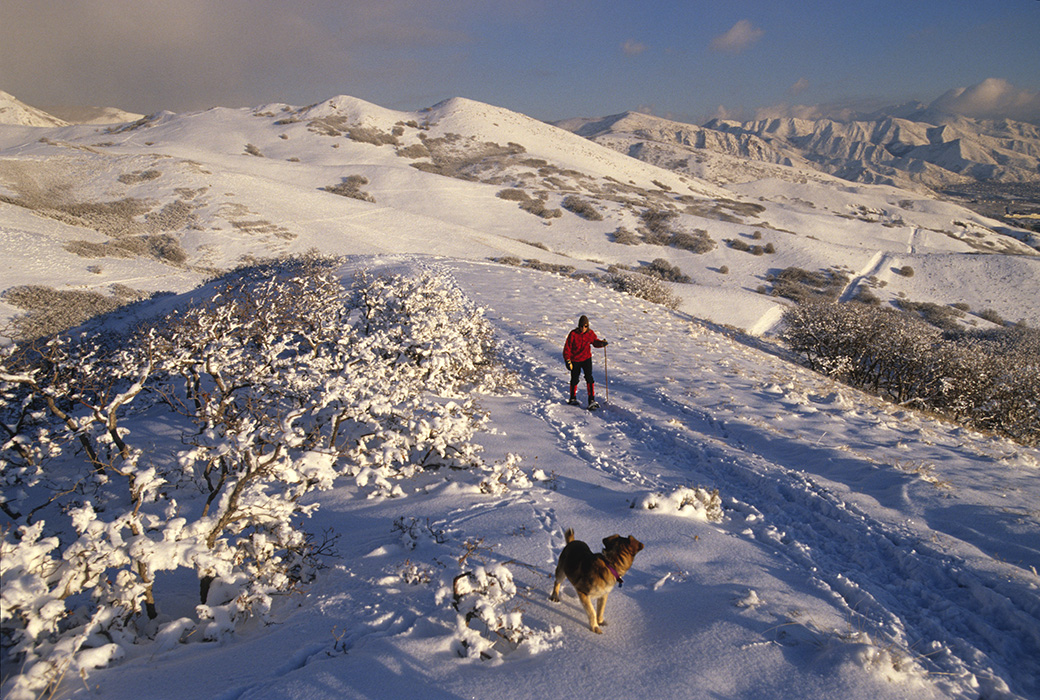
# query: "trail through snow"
680,417
864,551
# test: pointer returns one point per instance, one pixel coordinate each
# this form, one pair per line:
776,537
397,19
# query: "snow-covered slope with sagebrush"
159,204
857,549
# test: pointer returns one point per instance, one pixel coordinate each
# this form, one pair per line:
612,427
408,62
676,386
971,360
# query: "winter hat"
583,321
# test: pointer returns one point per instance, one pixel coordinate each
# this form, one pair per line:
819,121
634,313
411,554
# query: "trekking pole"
606,377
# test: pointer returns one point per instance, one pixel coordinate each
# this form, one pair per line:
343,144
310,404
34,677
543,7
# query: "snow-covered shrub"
139,176
623,236
414,531
939,315
532,205
284,381
988,380
658,225
489,622
646,287
350,186
991,316
372,135
50,310
581,207
658,230
688,502
501,477
696,241
804,286
662,269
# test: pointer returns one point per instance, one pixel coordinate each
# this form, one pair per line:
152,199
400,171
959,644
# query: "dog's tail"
568,536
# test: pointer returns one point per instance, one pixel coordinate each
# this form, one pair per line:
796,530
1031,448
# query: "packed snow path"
812,470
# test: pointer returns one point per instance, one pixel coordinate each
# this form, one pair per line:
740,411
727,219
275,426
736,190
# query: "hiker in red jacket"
577,353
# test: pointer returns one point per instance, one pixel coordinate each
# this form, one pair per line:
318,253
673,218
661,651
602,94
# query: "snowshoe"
593,405
572,401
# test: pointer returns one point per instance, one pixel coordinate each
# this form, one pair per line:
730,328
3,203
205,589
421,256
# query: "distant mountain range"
910,146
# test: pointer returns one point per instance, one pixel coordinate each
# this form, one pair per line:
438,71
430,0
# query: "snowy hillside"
802,539
104,215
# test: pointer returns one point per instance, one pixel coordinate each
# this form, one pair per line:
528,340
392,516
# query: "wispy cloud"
633,47
801,86
742,35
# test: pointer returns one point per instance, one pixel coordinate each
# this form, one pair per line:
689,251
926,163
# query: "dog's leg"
601,605
560,575
587,603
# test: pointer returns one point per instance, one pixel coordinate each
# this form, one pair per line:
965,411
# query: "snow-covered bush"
489,623
501,477
581,207
662,269
350,186
646,287
280,382
697,503
804,286
50,310
988,380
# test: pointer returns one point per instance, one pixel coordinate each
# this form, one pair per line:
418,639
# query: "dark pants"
576,370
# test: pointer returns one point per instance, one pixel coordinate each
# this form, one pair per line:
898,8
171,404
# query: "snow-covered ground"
862,551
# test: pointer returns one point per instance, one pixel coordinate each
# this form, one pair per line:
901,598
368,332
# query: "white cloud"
801,86
844,110
633,48
742,35
993,98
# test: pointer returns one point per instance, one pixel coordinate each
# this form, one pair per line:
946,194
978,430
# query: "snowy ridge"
460,115
93,115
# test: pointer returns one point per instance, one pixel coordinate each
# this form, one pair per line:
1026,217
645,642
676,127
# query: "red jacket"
578,347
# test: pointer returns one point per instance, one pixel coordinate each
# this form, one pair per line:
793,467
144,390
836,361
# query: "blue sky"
550,59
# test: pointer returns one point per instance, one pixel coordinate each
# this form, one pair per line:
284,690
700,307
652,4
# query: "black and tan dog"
594,575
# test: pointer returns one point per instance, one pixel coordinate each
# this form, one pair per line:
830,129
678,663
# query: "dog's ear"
609,542
636,544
